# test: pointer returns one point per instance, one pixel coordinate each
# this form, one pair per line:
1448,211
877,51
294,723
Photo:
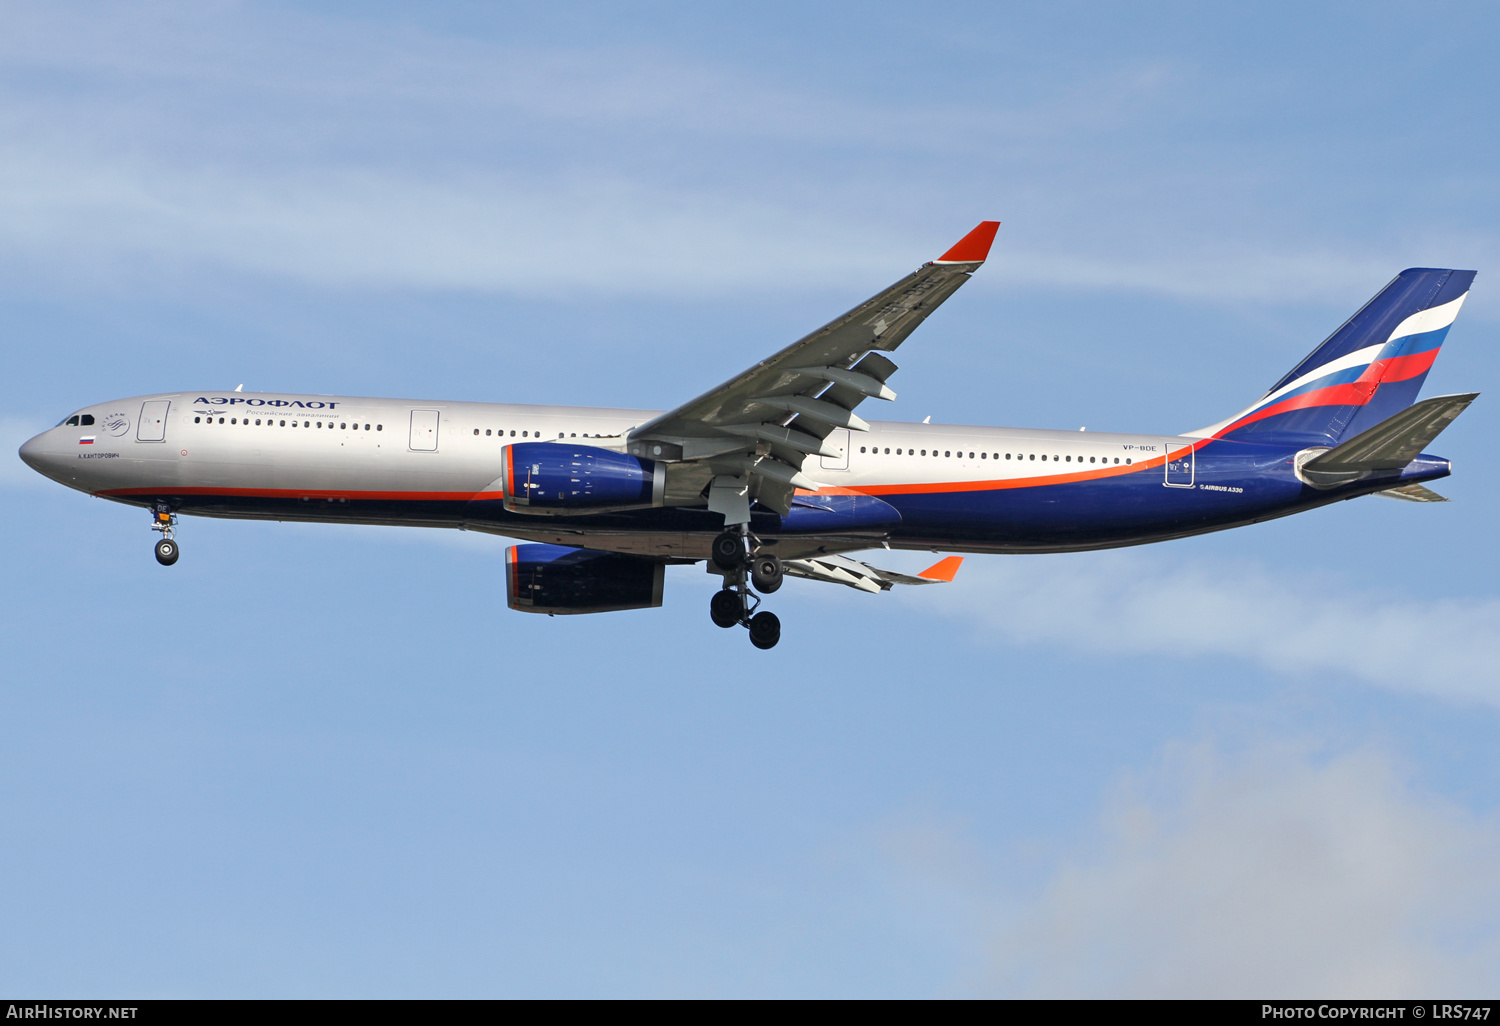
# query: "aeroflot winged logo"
235,400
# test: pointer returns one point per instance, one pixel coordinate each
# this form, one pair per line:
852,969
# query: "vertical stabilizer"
1368,370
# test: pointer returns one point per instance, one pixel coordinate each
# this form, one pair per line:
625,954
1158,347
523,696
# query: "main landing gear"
745,567
162,520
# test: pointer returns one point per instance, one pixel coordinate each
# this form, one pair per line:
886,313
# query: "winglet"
973,247
945,569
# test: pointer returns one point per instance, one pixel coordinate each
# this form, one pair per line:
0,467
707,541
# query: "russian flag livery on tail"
773,474
1369,369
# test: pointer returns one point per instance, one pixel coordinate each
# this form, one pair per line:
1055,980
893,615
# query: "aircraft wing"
756,429
854,574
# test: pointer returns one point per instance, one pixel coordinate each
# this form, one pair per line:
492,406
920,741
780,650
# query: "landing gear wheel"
166,552
765,574
724,608
729,551
765,630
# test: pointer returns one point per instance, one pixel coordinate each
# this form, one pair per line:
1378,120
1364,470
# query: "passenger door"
1179,467
152,426
424,430
839,440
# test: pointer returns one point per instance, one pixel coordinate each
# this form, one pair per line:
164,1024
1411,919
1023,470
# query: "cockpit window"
86,420
70,422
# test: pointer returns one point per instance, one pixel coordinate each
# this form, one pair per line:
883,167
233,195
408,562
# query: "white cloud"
1272,874
1288,620
164,138
381,229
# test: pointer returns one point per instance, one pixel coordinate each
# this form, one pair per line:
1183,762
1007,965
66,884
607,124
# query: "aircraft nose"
34,453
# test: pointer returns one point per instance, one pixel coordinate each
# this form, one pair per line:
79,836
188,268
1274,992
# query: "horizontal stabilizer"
854,574
1389,445
1414,493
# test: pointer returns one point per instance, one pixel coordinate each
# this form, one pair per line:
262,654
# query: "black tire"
765,630
167,552
724,608
729,551
765,574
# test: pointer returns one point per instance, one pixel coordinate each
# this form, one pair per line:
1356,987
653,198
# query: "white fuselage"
255,442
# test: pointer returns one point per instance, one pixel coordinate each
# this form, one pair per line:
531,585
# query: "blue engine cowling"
562,478
557,579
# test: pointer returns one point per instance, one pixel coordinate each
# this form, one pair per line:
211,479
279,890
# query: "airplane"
773,474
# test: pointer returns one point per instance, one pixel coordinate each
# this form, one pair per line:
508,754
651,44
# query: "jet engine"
557,579
563,479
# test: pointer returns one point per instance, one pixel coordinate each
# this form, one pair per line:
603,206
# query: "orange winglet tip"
973,247
943,569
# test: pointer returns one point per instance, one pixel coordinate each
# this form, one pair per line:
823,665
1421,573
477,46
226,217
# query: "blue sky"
319,761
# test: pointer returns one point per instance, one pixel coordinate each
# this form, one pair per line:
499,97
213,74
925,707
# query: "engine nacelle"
567,479
556,579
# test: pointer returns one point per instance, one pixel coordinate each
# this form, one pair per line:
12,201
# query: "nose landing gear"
162,520
743,567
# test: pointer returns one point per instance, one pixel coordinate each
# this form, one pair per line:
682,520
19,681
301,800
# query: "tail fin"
1368,370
